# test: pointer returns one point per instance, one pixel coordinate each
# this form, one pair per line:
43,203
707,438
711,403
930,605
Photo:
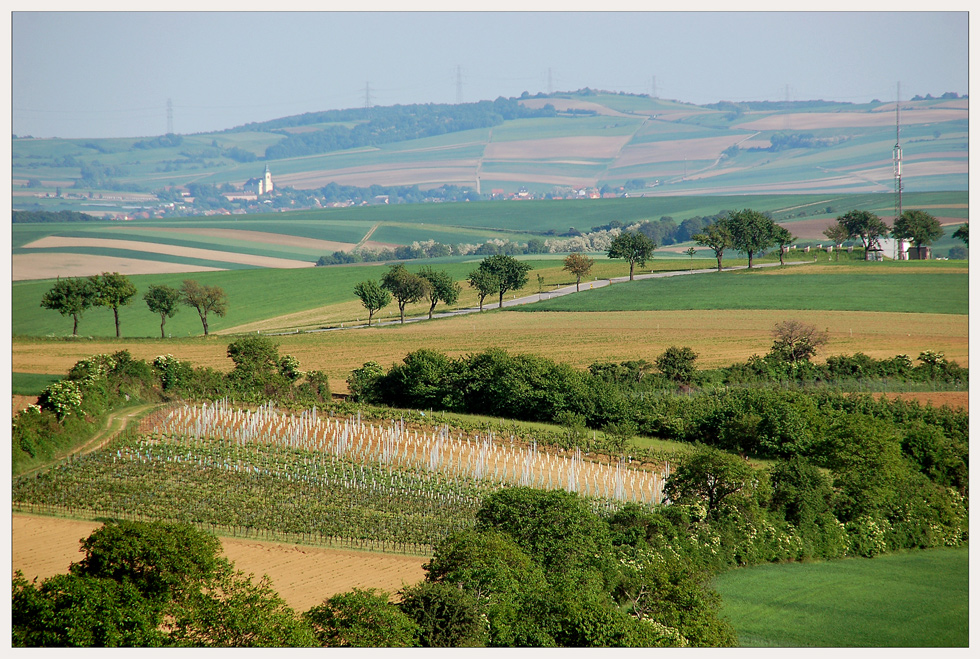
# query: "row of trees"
74,295
747,231
916,226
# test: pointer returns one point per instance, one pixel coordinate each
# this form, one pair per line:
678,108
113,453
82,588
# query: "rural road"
538,297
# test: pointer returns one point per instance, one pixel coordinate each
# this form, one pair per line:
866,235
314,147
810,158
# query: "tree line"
73,296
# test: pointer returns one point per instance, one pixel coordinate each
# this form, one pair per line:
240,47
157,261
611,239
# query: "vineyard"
313,478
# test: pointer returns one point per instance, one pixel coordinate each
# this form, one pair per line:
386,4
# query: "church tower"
267,181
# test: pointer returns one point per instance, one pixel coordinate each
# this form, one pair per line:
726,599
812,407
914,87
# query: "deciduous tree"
717,237
751,231
442,287
838,233
579,265
794,341
633,246
866,226
206,299
485,283
163,300
918,226
511,274
963,233
112,290
782,237
70,297
362,619
404,286
372,296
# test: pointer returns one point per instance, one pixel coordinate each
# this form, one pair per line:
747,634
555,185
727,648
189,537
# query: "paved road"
538,297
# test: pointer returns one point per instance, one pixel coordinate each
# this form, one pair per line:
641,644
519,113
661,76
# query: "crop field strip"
280,476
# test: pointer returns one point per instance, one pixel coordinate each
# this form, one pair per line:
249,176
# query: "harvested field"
48,265
818,120
431,175
263,237
304,576
953,399
719,337
566,104
705,148
558,147
173,250
21,402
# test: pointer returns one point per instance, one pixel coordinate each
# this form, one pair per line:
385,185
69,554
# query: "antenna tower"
459,85
897,153
170,117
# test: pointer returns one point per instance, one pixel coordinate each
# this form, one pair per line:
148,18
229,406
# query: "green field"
918,599
30,384
888,290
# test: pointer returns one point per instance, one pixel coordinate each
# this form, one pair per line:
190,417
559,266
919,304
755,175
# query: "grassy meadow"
917,599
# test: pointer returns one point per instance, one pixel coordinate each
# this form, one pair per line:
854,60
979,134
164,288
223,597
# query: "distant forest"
384,125
51,216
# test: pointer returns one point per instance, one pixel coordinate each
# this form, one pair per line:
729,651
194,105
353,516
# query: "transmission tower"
459,85
653,86
551,86
367,95
170,117
897,153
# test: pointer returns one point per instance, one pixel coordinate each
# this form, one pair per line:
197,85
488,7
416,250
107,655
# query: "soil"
304,576
48,265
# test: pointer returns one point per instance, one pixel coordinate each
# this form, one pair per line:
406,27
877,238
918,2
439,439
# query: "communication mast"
897,158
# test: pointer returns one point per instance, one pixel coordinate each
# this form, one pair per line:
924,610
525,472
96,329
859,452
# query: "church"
259,186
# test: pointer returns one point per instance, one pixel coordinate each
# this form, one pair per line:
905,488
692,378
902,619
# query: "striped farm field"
720,338
916,599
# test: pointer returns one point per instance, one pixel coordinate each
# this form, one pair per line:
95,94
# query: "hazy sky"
104,74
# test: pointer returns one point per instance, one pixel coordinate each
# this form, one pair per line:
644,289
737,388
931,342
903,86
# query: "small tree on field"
751,231
206,299
782,237
372,296
485,283
633,246
442,287
511,274
70,297
406,287
837,233
794,341
717,237
918,226
867,226
112,290
579,265
163,300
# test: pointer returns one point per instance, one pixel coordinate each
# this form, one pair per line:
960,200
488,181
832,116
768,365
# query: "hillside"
563,145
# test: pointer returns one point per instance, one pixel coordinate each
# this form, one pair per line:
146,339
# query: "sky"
113,73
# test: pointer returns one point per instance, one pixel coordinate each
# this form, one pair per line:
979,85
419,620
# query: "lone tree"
70,297
717,237
794,341
579,265
677,364
633,246
837,233
206,299
963,233
782,237
866,226
163,300
112,290
511,274
751,231
372,296
485,283
918,226
442,287
404,286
